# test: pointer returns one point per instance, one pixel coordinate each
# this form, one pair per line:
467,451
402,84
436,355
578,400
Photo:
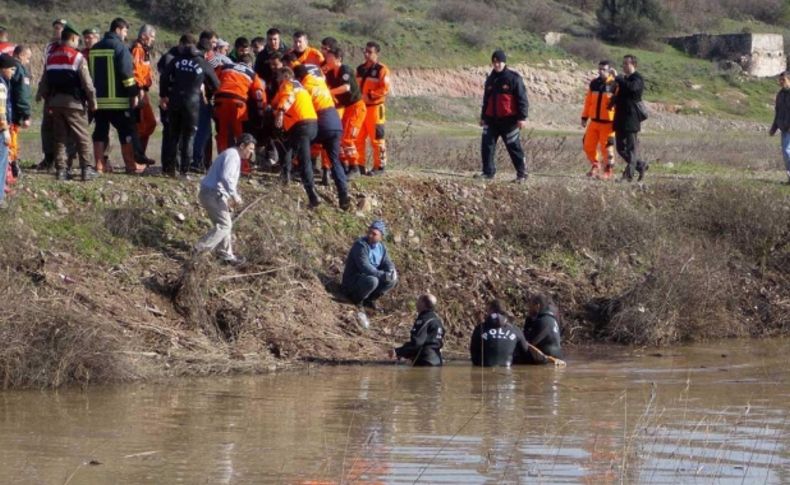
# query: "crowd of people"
300,103
274,105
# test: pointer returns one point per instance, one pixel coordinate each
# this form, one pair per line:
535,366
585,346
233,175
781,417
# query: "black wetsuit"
425,344
494,342
542,331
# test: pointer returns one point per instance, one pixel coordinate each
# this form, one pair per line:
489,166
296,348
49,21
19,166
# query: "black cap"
59,21
91,31
7,61
499,55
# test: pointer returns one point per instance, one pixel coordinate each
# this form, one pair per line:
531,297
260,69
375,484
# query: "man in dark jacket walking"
369,272
782,118
495,340
427,336
182,89
504,114
628,117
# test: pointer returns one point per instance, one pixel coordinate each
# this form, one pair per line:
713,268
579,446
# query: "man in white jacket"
218,193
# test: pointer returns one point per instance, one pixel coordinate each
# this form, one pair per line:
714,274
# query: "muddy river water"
715,413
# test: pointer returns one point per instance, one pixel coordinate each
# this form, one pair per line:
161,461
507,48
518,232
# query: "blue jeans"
3,167
786,151
202,137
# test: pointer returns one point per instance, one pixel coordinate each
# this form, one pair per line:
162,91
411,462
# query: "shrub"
591,50
473,35
371,21
633,22
459,11
542,16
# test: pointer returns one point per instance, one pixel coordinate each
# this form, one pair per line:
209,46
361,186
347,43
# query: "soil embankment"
99,284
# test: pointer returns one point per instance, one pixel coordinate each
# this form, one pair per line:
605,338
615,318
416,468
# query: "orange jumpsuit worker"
343,85
305,54
294,112
374,82
141,60
597,118
238,85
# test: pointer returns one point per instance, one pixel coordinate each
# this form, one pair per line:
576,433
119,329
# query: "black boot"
87,173
345,202
325,177
61,175
312,195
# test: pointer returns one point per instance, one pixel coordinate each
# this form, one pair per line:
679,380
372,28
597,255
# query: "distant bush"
181,14
371,21
459,11
769,11
473,35
341,6
591,50
631,22
542,16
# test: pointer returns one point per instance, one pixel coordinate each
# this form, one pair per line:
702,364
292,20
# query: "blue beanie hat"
379,226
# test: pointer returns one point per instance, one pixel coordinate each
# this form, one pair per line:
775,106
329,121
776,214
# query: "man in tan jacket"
68,88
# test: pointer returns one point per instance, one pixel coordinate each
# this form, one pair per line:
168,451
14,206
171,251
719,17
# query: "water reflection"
688,416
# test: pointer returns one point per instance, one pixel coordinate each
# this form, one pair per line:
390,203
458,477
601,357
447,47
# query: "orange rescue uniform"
322,99
374,82
599,136
295,102
351,109
310,56
141,60
238,84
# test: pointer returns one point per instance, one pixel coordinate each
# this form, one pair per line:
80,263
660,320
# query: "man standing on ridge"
597,118
782,118
262,64
21,99
7,68
117,95
47,143
628,117
373,79
141,59
68,89
504,114
181,90
305,54
348,100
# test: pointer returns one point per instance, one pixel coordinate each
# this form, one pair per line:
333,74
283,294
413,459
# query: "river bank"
99,286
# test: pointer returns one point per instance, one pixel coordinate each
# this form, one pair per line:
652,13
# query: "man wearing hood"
182,89
504,114
424,347
495,340
369,272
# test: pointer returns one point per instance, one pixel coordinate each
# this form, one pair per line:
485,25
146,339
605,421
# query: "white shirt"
223,176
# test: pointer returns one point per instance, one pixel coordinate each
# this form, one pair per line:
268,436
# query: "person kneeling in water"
427,336
496,339
542,330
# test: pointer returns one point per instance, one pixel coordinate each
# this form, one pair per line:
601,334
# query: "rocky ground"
99,277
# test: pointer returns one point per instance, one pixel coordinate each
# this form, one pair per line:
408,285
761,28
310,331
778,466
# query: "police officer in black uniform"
495,340
188,78
427,336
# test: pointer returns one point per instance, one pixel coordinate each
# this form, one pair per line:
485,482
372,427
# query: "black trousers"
182,126
511,135
330,142
300,137
627,144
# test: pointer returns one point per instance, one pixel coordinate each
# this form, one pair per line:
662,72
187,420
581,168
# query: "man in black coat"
628,117
187,81
504,114
427,336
